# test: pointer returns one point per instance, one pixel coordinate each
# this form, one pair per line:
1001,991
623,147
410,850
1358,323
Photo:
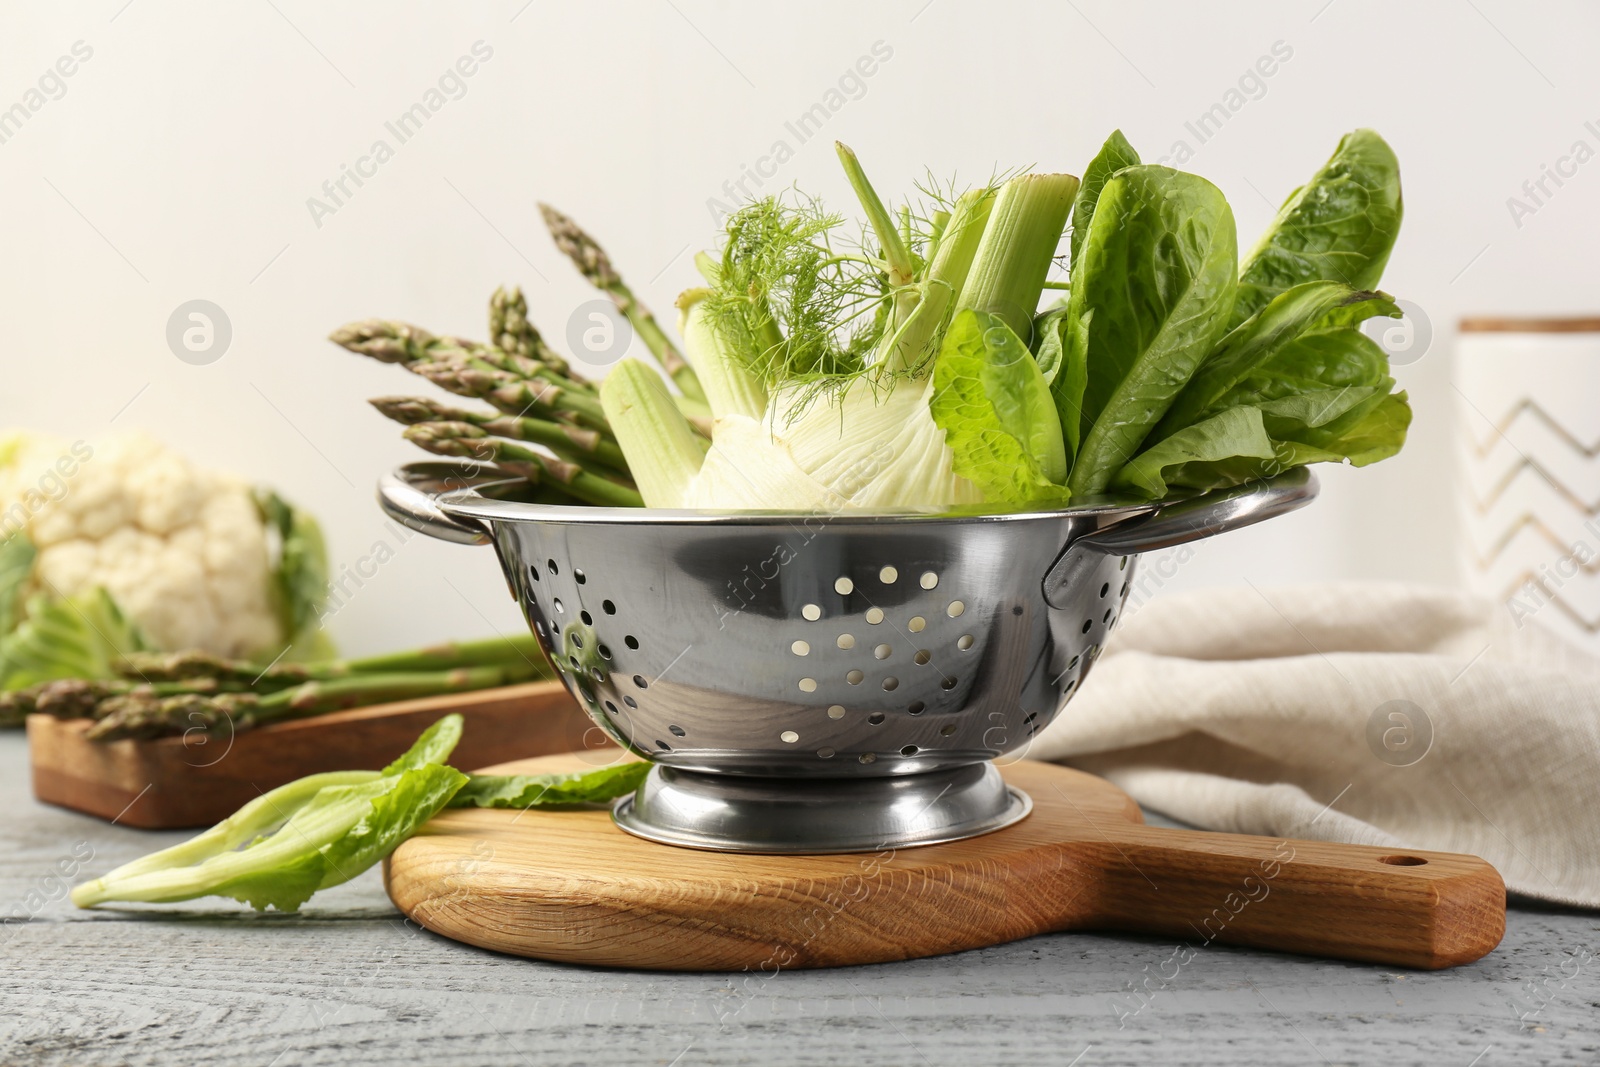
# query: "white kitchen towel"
1385,714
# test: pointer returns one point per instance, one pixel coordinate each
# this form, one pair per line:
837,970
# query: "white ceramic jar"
1528,435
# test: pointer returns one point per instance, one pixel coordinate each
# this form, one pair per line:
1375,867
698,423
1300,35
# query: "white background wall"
179,161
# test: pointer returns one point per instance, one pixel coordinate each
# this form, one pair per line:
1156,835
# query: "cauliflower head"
186,552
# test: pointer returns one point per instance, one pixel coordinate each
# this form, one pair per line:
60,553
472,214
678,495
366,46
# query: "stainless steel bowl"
819,682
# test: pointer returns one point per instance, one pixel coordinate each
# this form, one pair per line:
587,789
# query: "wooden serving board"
181,782
570,886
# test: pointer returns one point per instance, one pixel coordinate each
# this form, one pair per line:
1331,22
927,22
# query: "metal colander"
815,682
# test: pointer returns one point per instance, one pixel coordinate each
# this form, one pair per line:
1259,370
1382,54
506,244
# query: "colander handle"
1182,521
410,496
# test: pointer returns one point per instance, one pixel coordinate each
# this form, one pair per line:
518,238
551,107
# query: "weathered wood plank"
348,982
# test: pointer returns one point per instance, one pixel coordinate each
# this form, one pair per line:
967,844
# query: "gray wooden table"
348,981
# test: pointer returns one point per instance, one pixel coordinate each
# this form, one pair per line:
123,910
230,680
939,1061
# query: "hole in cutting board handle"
1403,861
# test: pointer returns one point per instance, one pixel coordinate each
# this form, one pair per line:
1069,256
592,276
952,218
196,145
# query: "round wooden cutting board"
570,886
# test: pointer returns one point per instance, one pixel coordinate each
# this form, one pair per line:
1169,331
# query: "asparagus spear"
593,263
514,395
143,715
414,348
570,442
194,667
510,331
465,440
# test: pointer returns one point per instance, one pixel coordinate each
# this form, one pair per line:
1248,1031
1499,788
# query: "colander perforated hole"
888,575
789,737
948,682
1106,617
890,684
538,628
825,753
632,703
909,750
1087,625
588,620
630,640
808,685
1074,663
558,604
663,746
811,612
928,580
1069,686
843,586
1030,717
597,674
854,677
612,708
916,708
605,651
550,565
574,661
922,657
1122,564
836,711
846,641
1104,589
917,624
534,571
947,730
801,648
882,652
608,607
874,615
639,681
1125,588
677,731
875,719
867,757
955,609
577,639
964,642
579,577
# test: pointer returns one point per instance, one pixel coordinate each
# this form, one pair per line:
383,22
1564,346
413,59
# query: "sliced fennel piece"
662,449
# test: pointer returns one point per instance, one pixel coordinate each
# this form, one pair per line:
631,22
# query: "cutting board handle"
1399,907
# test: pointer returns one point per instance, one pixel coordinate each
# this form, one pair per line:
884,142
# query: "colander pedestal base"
736,813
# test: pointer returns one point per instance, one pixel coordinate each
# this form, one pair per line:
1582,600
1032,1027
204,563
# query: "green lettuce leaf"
1367,435
1150,299
1064,371
75,637
1251,347
308,835
990,398
1235,434
434,746
16,563
299,580
1372,430
1340,226
551,791
1113,156
1321,359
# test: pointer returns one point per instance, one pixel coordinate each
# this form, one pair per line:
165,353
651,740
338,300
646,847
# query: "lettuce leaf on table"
324,829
